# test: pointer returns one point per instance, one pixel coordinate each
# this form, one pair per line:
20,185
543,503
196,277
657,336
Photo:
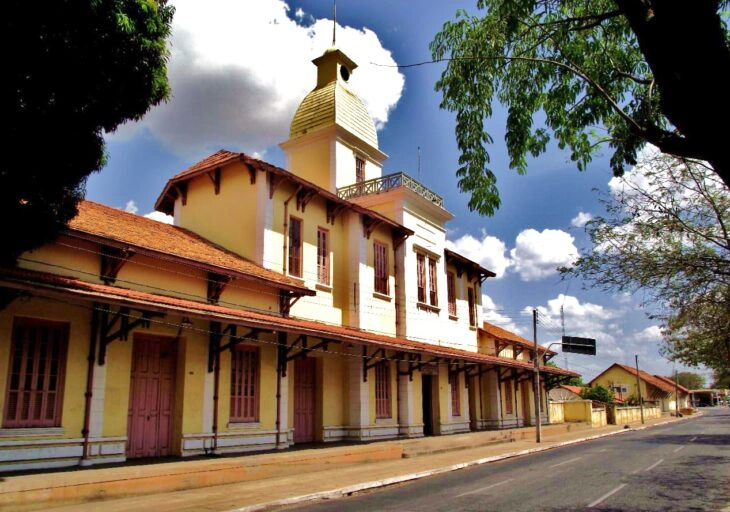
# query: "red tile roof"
105,224
670,381
459,260
510,337
646,377
573,389
52,284
223,157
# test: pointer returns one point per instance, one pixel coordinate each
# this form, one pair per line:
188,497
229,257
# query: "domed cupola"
332,102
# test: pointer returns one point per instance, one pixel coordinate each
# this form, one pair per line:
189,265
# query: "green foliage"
598,393
77,69
574,71
576,381
691,380
666,234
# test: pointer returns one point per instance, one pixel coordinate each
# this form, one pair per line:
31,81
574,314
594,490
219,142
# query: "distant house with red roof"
655,389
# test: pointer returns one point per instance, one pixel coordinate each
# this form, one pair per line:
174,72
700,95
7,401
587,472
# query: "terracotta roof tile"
505,335
136,231
52,283
670,381
573,389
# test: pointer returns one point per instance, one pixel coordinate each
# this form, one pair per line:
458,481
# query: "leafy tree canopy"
76,69
691,380
594,73
598,393
667,233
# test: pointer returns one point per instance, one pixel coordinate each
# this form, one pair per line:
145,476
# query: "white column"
407,426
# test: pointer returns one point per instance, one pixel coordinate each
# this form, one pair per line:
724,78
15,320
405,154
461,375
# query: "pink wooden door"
151,397
304,395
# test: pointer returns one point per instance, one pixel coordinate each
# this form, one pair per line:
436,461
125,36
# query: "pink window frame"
245,384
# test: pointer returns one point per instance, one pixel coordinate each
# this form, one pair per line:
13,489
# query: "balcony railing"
389,182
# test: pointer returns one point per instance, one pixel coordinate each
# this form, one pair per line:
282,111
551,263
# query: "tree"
577,64
666,233
721,380
76,69
598,393
691,380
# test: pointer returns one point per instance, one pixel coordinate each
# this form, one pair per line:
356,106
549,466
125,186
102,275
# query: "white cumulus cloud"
581,219
160,217
538,254
489,252
493,314
131,207
238,71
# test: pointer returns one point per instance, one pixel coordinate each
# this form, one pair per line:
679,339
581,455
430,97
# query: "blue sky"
238,69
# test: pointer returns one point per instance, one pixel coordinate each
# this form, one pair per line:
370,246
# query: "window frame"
292,256
359,169
455,394
242,403
383,395
62,330
323,256
451,291
433,294
508,402
471,297
421,276
381,282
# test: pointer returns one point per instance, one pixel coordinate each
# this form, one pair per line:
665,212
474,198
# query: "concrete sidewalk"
258,481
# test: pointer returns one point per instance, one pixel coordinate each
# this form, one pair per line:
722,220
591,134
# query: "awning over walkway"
69,287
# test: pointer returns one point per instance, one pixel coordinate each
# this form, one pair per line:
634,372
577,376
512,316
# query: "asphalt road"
681,466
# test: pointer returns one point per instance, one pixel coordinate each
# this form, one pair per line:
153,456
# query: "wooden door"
525,392
304,400
151,397
427,401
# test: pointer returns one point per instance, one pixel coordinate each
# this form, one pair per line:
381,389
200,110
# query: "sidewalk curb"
374,484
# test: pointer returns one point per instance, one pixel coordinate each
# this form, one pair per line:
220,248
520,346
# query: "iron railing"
389,182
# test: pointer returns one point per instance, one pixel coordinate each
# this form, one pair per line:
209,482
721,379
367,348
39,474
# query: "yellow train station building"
316,303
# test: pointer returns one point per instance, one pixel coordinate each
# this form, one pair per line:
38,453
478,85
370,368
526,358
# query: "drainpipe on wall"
216,390
90,383
286,229
279,370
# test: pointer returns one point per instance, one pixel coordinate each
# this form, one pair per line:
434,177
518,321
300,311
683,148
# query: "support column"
358,399
407,426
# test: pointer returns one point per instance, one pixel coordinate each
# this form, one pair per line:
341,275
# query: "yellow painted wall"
578,410
334,375
228,218
72,415
67,257
311,161
617,375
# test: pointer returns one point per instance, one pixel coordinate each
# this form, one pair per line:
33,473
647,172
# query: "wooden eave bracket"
251,172
369,225
287,299
215,177
274,182
517,350
112,261
216,284
399,239
124,321
8,295
333,210
181,189
502,374
499,346
380,353
460,367
547,356
413,360
218,332
303,198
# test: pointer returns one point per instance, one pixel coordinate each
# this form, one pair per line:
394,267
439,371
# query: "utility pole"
638,389
536,380
676,394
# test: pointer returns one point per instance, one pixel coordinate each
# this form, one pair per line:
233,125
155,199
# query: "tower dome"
331,102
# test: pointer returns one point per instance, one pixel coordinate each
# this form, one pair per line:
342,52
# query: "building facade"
312,304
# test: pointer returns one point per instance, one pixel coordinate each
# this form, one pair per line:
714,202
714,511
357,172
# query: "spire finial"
334,21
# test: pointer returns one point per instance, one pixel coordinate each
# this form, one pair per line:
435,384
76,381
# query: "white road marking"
603,451
654,465
693,439
635,471
606,496
677,449
485,488
565,462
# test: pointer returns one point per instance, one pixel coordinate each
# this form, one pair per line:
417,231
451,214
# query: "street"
681,466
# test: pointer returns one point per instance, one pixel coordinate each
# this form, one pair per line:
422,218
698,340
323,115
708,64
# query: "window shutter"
421,269
451,290
432,283
382,390
244,384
